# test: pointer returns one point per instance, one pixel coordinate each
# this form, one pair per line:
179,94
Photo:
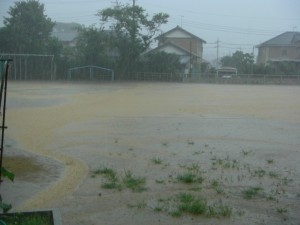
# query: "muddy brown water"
67,130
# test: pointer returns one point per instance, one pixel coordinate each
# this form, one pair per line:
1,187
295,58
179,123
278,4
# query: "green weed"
190,142
217,187
189,204
259,172
140,205
189,178
251,192
246,152
156,160
281,210
273,174
136,184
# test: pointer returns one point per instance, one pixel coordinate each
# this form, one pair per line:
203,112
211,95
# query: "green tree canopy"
27,29
161,62
93,45
132,31
242,61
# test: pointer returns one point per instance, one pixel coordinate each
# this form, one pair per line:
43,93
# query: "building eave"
183,30
170,43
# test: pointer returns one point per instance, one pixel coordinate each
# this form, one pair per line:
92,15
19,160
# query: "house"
282,48
185,44
66,33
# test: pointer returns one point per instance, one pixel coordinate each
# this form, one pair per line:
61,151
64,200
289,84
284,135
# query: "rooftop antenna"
181,18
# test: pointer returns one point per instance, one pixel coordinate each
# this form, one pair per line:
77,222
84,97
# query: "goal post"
30,66
91,72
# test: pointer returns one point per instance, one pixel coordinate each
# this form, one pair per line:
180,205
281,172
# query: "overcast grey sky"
237,24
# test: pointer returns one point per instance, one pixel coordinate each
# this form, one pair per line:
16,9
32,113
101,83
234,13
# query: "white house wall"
172,50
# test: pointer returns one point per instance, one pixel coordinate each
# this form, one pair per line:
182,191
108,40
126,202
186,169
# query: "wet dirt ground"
237,136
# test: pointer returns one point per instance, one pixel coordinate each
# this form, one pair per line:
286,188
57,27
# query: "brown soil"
125,126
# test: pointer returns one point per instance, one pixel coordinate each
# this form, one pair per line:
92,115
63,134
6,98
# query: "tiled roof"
285,39
181,29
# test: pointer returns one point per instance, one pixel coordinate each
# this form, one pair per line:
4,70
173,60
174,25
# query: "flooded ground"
238,144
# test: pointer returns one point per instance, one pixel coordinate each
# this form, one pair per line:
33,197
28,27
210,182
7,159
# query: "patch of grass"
156,160
273,175
270,197
198,152
286,181
189,204
281,210
113,181
216,185
193,167
136,184
189,178
251,192
160,181
259,172
140,205
186,203
34,218
270,161
107,172
111,185
225,163
240,212
246,152
190,142
219,210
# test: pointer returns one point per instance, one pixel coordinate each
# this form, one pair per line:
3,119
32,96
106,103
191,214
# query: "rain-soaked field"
155,153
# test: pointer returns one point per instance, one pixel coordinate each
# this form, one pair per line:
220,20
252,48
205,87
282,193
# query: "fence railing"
154,76
252,79
212,78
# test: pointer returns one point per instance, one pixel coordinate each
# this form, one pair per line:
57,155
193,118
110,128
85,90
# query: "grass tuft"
189,178
251,192
136,184
156,160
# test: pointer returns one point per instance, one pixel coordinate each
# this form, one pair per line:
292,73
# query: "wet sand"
77,128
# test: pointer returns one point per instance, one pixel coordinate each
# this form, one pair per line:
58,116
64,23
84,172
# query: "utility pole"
191,65
133,3
218,54
252,64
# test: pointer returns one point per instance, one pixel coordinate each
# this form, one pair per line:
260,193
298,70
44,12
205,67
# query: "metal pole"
90,73
3,127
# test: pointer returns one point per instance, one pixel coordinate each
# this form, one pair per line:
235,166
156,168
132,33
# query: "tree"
27,29
92,45
132,31
161,62
244,62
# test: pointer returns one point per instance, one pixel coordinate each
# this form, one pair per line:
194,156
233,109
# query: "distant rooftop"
285,39
182,30
65,32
